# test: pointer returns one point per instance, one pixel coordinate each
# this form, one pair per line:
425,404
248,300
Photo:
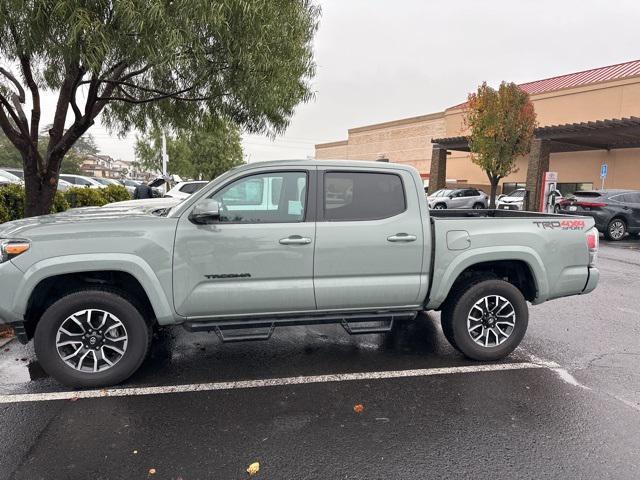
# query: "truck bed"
552,247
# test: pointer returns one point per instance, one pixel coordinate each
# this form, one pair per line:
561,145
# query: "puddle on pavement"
18,364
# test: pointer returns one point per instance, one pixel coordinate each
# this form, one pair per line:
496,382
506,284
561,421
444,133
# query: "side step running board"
255,334
230,330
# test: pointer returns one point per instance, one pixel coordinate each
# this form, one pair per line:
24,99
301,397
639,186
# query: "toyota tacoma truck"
282,243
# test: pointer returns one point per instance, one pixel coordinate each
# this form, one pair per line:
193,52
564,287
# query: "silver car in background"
7,178
458,198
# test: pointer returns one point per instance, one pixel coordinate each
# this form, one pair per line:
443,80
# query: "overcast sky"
381,60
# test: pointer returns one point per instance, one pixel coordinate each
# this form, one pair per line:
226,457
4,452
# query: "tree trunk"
494,188
39,190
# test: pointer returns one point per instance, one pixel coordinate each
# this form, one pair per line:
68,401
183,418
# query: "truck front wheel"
92,338
485,320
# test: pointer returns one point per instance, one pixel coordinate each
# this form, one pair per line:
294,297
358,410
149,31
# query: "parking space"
566,404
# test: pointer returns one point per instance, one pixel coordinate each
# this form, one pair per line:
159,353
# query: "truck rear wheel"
92,338
485,320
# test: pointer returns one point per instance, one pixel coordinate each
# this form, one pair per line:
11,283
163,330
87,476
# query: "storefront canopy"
573,137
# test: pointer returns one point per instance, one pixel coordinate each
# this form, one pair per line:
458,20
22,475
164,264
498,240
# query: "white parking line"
268,382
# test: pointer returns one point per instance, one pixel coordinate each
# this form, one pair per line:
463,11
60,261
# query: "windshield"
9,176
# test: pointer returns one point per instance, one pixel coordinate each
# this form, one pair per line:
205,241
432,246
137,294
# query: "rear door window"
354,196
632,197
191,187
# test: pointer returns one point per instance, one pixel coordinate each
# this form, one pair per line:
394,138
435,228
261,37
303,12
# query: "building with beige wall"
611,92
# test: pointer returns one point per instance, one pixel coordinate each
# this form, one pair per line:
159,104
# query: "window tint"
615,198
632,197
82,181
362,196
277,197
191,187
509,187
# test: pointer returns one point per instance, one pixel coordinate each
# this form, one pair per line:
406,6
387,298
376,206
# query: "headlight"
10,248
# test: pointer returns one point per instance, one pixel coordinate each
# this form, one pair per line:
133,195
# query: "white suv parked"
81,181
183,190
458,198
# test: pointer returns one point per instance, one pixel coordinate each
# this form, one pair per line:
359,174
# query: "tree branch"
22,126
13,80
12,134
146,89
62,106
25,63
73,101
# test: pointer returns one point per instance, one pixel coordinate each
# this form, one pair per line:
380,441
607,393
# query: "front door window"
278,197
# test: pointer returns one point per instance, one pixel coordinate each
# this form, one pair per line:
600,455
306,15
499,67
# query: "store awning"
573,137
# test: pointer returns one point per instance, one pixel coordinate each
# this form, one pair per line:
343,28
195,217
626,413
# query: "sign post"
603,174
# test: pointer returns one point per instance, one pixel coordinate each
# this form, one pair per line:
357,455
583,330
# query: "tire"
616,230
504,339
478,206
124,342
439,206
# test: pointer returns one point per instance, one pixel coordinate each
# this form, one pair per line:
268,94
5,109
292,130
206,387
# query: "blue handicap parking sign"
603,170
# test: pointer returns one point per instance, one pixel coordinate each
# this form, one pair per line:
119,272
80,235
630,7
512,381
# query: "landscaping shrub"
60,203
4,214
12,203
85,197
12,199
116,193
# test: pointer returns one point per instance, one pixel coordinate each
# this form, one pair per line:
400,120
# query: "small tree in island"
141,64
501,123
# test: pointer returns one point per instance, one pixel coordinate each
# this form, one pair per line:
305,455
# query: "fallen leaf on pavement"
253,468
152,471
358,408
74,399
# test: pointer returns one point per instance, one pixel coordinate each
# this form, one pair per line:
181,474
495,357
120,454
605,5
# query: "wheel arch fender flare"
70,264
449,273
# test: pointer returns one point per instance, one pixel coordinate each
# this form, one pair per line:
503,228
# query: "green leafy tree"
138,63
502,123
10,156
201,153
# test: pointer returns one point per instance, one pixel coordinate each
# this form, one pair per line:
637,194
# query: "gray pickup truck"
282,243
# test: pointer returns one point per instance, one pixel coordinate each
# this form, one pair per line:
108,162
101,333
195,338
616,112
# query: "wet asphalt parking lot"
566,404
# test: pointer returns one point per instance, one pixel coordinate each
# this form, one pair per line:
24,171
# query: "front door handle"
295,240
402,237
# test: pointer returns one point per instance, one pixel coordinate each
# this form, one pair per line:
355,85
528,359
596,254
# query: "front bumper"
509,206
10,278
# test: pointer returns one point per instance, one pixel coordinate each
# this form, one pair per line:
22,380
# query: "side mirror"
451,195
206,211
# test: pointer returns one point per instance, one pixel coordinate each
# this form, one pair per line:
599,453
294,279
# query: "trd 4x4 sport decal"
561,225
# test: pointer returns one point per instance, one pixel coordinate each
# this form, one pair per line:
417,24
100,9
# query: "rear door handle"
295,240
402,237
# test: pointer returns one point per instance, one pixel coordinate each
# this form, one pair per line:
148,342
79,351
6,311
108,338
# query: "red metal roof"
579,79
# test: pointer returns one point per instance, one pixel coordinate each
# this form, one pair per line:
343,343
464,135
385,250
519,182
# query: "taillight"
593,239
590,204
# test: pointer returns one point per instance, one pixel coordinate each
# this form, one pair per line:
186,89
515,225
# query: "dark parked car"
616,212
